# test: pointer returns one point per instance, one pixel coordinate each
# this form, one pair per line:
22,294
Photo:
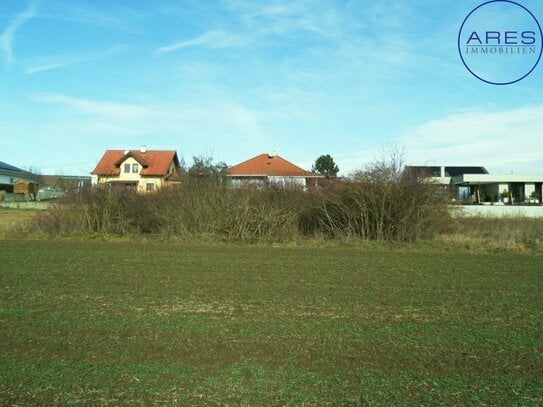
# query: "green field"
96,322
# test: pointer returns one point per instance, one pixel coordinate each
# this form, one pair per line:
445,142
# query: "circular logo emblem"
500,42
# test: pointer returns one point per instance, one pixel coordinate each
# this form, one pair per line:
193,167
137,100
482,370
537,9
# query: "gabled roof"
269,165
154,162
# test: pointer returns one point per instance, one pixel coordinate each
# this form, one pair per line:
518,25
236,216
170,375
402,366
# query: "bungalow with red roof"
271,169
138,170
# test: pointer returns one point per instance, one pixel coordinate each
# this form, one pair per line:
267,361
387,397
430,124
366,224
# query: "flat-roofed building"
475,183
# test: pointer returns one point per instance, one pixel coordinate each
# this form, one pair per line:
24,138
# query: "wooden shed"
29,189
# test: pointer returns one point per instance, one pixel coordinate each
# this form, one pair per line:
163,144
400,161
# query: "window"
150,187
127,168
134,168
11,180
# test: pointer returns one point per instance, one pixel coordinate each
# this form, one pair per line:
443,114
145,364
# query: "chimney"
143,149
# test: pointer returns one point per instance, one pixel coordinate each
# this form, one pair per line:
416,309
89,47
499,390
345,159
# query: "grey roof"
17,173
5,166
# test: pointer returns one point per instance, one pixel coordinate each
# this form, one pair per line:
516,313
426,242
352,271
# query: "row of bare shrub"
192,209
382,203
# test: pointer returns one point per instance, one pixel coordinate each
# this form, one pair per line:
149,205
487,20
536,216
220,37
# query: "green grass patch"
95,322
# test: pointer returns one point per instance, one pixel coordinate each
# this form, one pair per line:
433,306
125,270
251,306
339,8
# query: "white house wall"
11,179
281,181
7,179
287,181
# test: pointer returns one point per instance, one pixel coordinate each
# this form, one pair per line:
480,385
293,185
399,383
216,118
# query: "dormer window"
135,168
127,168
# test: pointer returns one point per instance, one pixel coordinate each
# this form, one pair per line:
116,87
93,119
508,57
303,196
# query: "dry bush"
382,202
192,209
207,207
95,210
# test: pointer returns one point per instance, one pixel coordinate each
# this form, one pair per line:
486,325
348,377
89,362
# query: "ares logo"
500,42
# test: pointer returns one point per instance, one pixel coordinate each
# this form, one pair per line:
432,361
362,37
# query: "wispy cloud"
109,15
7,37
41,64
250,23
504,140
211,39
107,117
286,17
106,109
241,118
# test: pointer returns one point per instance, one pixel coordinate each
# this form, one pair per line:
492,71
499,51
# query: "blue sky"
235,78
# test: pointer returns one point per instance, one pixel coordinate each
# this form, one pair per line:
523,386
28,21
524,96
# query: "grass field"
96,322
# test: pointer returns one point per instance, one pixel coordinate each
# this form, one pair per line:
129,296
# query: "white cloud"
211,39
241,118
7,37
111,110
287,17
358,160
219,119
41,64
109,15
502,141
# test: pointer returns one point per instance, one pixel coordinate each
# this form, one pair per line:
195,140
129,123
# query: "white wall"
6,179
494,211
10,179
287,181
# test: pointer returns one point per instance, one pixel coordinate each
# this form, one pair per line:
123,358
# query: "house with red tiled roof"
138,170
271,169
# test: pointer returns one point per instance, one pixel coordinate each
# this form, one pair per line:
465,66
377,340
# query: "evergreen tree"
326,166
